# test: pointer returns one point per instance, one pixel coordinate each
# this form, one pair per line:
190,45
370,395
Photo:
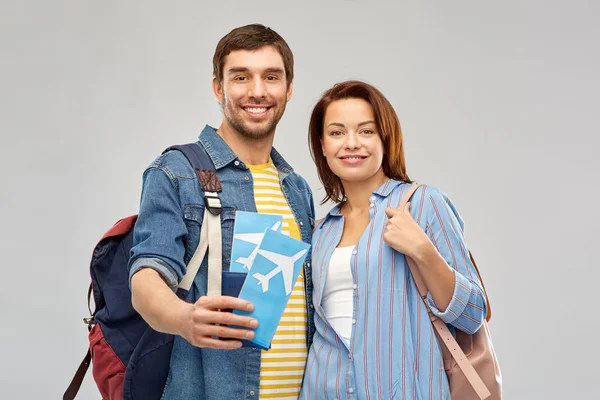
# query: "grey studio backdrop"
498,103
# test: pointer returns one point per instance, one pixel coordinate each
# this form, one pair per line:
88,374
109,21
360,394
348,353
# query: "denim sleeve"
158,238
312,203
467,309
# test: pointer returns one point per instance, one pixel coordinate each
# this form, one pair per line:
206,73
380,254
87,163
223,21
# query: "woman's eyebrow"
366,122
342,125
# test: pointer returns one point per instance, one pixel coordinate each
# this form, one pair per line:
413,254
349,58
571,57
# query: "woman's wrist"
424,252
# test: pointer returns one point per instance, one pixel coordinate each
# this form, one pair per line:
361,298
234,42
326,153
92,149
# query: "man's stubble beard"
237,123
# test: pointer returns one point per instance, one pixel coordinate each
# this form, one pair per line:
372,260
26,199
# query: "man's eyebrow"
275,70
237,70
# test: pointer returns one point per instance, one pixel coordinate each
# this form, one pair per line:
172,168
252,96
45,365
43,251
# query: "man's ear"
290,89
217,90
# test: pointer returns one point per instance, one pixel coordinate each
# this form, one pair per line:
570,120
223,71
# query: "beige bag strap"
210,240
440,326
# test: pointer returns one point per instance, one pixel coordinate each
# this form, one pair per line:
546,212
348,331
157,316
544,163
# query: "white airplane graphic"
254,238
285,265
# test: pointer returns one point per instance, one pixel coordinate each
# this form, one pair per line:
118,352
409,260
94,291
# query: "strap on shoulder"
210,234
445,335
196,155
205,170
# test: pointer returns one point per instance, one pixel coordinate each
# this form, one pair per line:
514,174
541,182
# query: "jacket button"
301,223
252,393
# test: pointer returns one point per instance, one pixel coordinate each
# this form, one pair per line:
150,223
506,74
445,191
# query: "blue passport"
232,282
269,284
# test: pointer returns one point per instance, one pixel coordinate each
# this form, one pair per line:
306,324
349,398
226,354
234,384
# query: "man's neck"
250,151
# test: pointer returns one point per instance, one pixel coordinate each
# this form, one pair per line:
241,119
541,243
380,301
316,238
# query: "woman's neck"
358,193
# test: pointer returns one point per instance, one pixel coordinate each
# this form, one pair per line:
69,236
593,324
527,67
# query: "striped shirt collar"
381,192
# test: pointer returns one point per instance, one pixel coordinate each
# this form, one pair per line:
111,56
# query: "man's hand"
197,323
205,321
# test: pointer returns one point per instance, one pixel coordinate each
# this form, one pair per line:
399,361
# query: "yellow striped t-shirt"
282,367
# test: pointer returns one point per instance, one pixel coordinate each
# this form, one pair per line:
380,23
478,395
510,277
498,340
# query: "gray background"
498,103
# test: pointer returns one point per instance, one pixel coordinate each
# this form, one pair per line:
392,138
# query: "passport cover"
269,284
248,231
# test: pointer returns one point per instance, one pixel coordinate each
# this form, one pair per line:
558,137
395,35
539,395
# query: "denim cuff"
159,266
460,298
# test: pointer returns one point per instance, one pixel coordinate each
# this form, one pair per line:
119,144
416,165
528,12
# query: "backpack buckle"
213,202
89,321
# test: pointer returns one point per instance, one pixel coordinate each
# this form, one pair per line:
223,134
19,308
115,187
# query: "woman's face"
351,142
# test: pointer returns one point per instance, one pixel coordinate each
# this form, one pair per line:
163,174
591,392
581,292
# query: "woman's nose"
352,141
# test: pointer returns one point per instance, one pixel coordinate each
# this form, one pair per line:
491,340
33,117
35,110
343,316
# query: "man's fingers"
219,344
228,318
226,332
224,303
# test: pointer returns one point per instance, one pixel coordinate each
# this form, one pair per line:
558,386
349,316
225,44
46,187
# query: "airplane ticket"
269,284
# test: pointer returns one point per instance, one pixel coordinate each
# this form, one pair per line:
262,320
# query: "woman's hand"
404,235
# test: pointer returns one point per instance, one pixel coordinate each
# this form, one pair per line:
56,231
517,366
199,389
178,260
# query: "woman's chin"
355,178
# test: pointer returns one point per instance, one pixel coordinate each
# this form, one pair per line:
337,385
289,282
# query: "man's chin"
257,129
256,132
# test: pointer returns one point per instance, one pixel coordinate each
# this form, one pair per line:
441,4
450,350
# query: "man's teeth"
255,110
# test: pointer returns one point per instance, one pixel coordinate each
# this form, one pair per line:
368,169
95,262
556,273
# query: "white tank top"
338,293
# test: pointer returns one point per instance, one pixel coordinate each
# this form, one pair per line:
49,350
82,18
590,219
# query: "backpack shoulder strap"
210,233
205,170
488,316
196,155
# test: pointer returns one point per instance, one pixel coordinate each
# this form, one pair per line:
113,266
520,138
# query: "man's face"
253,91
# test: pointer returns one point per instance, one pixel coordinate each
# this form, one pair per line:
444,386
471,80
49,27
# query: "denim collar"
221,154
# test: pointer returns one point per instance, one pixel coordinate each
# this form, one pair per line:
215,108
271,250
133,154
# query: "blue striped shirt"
393,352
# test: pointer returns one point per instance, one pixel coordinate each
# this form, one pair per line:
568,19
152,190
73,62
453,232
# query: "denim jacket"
166,235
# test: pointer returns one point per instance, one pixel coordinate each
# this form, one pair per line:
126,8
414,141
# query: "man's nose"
257,89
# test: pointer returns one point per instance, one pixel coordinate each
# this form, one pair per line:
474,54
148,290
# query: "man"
253,81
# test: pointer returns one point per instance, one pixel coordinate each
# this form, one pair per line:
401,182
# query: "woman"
374,338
